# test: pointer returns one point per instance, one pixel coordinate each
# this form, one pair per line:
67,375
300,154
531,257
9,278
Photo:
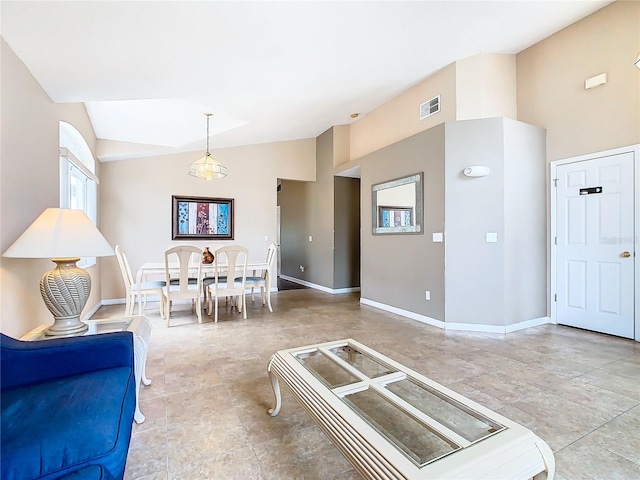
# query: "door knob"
625,254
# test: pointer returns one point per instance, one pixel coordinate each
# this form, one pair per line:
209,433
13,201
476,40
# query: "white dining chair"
263,281
183,285
135,290
227,263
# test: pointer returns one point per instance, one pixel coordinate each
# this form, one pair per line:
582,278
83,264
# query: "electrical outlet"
266,238
310,238
301,268
427,295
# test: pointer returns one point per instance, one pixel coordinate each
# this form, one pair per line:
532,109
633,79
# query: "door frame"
635,150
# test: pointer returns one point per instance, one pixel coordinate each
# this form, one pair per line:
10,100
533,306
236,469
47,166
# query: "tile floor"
206,408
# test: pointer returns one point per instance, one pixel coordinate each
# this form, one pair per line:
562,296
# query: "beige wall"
29,166
486,86
400,117
136,200
341,144
481,86
551,77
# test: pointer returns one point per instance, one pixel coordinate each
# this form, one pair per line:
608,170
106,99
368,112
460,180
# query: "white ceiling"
269,71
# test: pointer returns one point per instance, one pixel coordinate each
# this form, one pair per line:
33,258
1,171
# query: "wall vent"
430,107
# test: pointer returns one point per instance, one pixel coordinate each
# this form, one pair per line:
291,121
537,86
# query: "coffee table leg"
276,391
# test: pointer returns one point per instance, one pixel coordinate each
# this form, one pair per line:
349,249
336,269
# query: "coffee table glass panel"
421,422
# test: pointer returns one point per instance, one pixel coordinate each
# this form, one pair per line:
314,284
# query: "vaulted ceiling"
267,70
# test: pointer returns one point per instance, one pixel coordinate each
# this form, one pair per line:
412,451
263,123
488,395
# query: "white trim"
333,291
635,150
534,322
91,312
468,327
68,154
404,313
114,301
150,298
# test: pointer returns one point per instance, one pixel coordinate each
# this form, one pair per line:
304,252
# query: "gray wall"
525,215
498,283
346,254
292,199
397,269
474,206
307,210
319,267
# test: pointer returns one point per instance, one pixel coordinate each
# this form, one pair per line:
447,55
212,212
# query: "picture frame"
192,218
397,206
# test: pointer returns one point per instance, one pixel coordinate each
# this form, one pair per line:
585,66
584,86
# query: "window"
78,182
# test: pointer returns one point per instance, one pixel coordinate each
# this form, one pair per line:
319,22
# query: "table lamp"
64,235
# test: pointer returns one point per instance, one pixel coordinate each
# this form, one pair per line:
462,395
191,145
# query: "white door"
595,244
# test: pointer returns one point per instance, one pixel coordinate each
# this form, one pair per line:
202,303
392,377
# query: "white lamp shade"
60,233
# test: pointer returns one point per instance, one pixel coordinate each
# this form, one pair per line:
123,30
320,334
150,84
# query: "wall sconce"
476,171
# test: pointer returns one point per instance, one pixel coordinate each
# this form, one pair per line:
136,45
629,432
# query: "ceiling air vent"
430,107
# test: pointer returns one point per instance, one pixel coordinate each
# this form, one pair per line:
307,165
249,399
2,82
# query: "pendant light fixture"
207,167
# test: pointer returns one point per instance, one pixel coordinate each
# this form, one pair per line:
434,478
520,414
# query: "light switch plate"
310,238
491,237
438,237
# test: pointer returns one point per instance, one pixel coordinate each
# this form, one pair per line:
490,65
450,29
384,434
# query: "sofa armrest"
22,363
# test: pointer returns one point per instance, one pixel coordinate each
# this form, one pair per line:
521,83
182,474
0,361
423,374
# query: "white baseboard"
333,291
469,327
151,298
404,313
113,301
91,312
534,322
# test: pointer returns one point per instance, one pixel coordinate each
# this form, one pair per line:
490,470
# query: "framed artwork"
389,216
202,218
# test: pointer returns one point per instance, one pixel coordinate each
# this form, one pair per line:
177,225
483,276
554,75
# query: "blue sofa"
67,407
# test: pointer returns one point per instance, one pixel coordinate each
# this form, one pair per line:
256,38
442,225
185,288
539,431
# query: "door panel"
595,282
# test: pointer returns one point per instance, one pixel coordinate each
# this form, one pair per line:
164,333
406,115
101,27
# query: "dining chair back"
135,290
228,262
181,284
263,280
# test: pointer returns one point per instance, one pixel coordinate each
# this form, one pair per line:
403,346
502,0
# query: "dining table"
208,270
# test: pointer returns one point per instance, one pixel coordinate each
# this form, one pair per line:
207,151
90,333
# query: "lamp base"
65,291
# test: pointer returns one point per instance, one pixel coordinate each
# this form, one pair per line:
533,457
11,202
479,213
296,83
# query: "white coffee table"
391,422
138,325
